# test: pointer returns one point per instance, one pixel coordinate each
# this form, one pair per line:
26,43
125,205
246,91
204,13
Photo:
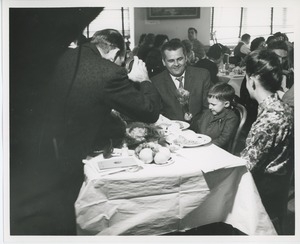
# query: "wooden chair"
243,116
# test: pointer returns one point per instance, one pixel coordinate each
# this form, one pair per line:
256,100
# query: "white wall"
173,28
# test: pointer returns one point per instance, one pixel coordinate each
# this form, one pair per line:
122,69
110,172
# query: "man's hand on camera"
139,71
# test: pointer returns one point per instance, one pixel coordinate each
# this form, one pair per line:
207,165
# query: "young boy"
219,122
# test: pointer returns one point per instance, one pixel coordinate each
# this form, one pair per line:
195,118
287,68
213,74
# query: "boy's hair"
223,92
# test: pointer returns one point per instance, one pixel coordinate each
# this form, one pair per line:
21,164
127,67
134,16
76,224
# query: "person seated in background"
146,46
211,62
270,39
178,76
227,52
191,57
220,122
258,43
153,60
135,50
280,36
198,47
280,48
242,48
269,148
283,37
288,97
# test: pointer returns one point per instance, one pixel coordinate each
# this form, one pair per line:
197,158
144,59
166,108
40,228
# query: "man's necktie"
180,81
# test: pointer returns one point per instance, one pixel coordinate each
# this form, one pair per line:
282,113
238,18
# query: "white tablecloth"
205,185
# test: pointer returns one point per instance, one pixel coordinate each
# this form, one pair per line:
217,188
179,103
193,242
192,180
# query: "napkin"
163,120
210,158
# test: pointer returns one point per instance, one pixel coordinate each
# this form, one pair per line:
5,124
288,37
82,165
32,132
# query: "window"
284,21
256,22
228,24
110,18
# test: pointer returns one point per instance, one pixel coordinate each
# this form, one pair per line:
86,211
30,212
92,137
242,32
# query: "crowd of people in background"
215,56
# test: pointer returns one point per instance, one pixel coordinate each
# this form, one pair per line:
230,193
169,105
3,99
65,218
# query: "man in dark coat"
195,80
87,84
211,62
242,49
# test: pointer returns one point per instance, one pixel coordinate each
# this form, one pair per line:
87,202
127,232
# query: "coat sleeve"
229,129
197,120
206,86
138,101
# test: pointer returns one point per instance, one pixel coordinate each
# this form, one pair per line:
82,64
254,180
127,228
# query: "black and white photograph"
152,122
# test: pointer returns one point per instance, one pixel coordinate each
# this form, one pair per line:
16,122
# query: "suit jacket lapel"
170,84
188,84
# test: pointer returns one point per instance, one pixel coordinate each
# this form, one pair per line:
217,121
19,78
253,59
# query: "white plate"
183,125
197,141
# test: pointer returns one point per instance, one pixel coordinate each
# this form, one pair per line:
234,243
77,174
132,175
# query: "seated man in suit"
197,46
179,77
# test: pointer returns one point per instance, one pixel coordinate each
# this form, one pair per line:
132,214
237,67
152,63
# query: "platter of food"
191,140
183,125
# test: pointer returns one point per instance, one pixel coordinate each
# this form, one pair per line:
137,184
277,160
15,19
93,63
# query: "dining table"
199,186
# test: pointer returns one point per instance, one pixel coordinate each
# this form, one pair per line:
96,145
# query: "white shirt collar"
176,82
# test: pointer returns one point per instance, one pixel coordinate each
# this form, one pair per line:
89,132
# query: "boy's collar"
221,114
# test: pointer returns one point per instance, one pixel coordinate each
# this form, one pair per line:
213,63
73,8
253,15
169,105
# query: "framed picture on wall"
173,13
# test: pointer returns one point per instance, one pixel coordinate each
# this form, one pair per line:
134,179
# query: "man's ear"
253,85
227,104
163,61
112,54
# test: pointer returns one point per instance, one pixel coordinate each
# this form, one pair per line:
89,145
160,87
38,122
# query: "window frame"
270,24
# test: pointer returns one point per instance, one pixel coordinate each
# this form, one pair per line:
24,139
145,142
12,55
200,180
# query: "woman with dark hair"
258,43
136,48
269,145
154,60
250,104
146,46
270,39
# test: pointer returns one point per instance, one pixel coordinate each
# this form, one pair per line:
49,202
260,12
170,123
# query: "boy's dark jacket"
221,127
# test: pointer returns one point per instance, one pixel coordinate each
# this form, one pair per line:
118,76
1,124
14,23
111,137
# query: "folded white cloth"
163,120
